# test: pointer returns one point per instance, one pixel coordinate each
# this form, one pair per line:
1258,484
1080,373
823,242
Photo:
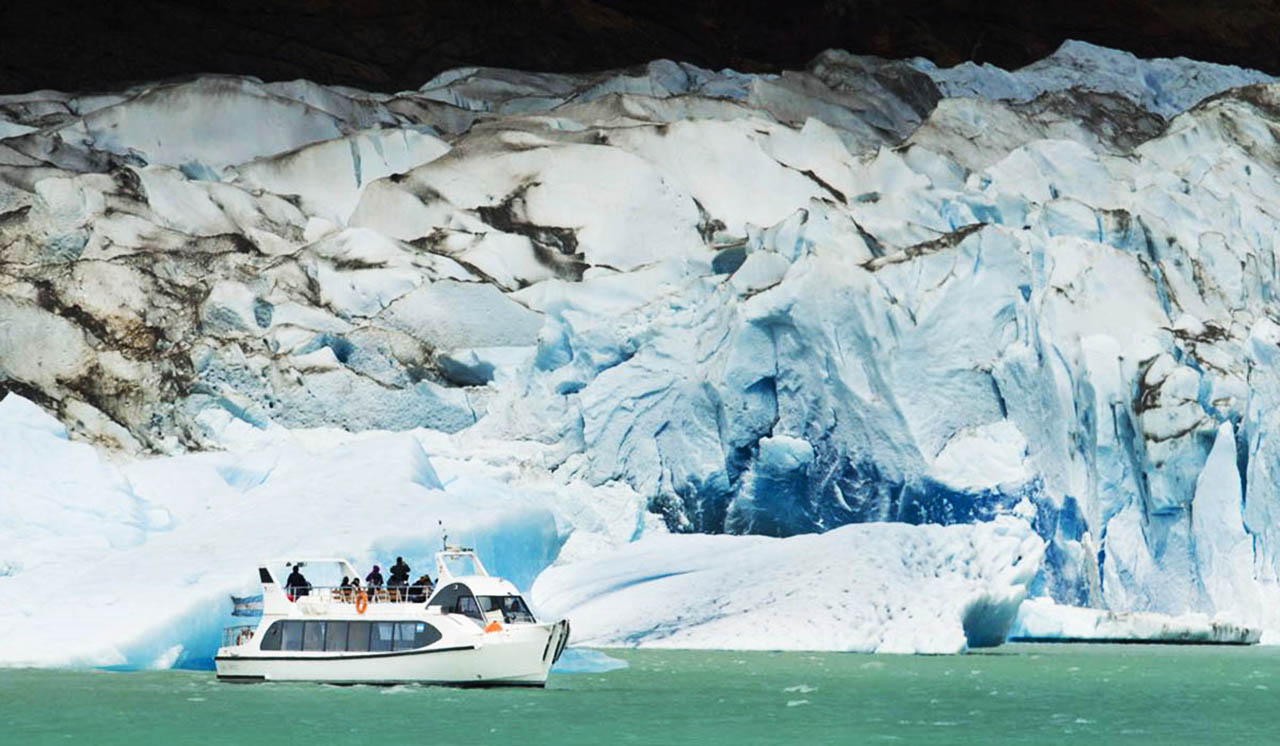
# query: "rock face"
771,304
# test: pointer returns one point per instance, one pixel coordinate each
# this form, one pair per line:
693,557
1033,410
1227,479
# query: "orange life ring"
362,602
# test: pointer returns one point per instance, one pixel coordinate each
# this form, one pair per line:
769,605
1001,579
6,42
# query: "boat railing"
325,594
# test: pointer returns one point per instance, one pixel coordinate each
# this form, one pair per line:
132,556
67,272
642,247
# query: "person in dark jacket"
420,590
296,585
374,579
399,573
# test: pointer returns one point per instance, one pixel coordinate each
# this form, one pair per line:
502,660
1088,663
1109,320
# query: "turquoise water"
1018,694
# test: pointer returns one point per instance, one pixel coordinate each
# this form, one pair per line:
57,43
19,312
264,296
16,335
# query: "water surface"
1017,694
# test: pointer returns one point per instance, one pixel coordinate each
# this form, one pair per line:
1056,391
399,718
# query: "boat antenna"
444,537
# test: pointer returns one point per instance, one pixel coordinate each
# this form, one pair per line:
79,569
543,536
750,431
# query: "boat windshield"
513,608
459,565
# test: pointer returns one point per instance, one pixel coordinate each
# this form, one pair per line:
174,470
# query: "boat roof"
485,585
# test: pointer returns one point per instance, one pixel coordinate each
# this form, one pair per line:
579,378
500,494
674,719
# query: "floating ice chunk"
584,660
1042,619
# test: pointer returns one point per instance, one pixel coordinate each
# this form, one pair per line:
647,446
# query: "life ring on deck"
362,602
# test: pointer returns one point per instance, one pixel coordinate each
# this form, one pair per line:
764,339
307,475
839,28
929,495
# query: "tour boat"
473,630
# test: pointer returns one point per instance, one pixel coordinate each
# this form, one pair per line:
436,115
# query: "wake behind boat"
473,630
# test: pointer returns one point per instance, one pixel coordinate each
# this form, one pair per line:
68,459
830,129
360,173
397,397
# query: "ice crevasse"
578,314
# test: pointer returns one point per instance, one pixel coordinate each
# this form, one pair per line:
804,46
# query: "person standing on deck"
296,585
399,572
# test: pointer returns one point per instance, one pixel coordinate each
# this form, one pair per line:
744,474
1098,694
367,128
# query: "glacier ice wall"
770,304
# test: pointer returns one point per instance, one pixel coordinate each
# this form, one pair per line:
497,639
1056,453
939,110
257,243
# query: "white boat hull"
519,655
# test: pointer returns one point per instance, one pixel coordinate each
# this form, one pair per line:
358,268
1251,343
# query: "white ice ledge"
1040,619
883,588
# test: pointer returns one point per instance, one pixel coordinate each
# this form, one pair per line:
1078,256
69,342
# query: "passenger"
420,590
399,573
398,583
344,590
374,579
296,585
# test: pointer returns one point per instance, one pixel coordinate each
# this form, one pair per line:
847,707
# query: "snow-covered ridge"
867,291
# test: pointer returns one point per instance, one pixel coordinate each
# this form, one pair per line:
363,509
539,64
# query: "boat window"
313,636
335,636
358,636
382,634
292,636
513,608
404,636
424,634
467,605
271,638
456,598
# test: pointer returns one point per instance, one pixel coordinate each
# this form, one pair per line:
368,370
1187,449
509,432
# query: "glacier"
576,314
